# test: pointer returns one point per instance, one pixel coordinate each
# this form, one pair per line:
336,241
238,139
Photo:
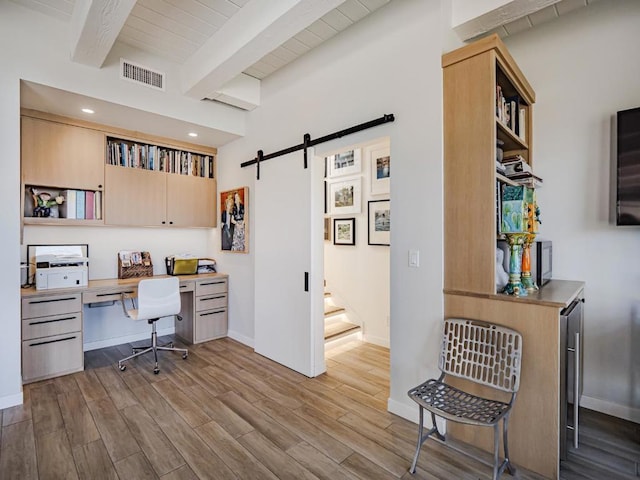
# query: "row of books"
511,113
81,205
160,159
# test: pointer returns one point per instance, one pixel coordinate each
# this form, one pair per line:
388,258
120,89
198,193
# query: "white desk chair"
157,298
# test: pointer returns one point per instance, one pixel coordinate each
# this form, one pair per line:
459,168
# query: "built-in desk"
52,319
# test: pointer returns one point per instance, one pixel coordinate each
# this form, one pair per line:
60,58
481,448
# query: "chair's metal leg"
137,354
435,427
505,439
420,440
154,343
496,450
153,347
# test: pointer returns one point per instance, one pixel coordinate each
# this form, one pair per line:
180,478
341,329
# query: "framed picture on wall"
344,196
344,163
379,159
234,220
344,231
379,222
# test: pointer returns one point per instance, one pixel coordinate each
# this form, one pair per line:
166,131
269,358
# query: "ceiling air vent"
141,75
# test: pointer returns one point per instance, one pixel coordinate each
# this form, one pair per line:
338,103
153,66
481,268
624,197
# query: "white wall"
358,276
36,49
584,67
370,69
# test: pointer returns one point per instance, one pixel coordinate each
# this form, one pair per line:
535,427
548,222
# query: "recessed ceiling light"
87,110
193,134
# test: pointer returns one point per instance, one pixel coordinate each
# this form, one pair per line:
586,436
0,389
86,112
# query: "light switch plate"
414,258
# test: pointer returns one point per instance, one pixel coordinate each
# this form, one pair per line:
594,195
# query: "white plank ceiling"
176,29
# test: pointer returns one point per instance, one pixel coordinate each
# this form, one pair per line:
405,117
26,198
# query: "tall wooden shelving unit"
471,128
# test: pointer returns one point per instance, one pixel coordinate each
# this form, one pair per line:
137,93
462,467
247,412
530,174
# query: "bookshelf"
132,179
158,158
472,126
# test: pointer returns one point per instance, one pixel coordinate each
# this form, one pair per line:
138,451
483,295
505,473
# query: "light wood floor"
224,413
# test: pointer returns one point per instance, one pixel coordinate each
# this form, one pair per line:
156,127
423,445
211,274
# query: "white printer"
60,267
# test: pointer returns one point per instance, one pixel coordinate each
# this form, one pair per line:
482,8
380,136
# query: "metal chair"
484,353
157,298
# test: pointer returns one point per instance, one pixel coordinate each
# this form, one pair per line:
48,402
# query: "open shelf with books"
59,206
135,154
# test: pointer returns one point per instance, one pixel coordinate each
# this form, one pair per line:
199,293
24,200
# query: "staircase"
336,323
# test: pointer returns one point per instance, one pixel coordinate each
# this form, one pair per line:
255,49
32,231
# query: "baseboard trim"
380,341
249,342
110,342
614,409
11,400
408,412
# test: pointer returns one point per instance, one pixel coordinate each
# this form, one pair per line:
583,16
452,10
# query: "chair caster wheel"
123,368
156,371
184,356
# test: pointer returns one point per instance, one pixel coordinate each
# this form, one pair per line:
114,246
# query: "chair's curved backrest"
482,352
158,297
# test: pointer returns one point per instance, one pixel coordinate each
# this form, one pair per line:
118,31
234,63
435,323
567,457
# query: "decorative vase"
515,286
527,280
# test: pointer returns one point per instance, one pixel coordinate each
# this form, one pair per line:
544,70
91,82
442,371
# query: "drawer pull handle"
34,302
213,283
211,313
52,341
51,321
112,293
211,298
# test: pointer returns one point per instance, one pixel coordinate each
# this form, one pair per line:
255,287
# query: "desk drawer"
52,325
51,356
210,324
42,306
187,286
108,295
211,287
209,302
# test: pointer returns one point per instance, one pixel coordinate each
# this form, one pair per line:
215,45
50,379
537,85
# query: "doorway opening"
357,260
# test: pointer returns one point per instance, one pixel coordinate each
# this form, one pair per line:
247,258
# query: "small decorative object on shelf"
527,280
44,205
533,220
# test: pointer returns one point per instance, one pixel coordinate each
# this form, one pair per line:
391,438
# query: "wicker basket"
144,269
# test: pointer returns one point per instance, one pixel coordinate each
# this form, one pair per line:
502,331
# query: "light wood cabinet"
51,336
63,156
208,308
191,201
471,128
471,76
134,197
137,197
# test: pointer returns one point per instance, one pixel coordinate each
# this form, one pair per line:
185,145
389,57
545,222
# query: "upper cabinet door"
58,155
135,197
191,201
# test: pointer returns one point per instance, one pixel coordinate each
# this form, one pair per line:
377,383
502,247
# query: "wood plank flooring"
224,413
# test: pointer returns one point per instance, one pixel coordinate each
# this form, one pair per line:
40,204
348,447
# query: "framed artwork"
345,196
380,170
344,163
234,220
327,228
379,222
344,231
